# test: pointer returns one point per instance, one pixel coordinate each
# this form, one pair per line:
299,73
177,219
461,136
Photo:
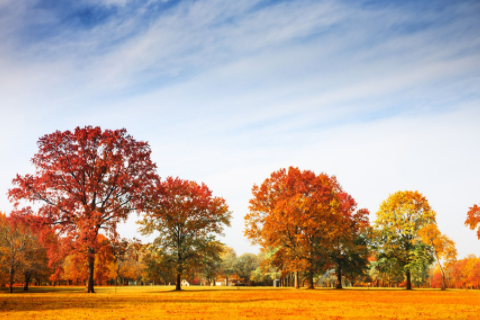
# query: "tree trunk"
409,281
443,274
297,285
91,270
12,275
27,280
177,288
339,278
310,279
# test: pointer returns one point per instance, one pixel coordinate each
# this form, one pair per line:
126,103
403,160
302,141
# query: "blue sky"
383,94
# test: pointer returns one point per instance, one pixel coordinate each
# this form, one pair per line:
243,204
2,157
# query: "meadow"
229,303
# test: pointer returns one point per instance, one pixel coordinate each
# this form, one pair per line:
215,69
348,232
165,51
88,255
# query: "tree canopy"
187,217
84,182
399,220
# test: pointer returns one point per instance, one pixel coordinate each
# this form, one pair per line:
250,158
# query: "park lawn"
160,302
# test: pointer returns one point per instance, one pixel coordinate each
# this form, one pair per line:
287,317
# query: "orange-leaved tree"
187,217
473,219
18,249
85,181
443,247
298,213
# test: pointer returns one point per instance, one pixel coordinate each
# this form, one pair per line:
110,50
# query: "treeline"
310,230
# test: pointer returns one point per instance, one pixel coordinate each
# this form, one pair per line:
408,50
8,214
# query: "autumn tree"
298,213
86,181
126,255
37,266
160,267
473,219
443,247
187,217
74,264
349,251
18,249
399,220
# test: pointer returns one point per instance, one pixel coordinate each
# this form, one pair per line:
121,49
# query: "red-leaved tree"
85,181
187,218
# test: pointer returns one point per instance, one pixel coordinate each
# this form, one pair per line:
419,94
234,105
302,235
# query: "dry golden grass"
239,303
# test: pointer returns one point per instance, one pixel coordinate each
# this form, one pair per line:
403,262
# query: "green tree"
245,265
229,258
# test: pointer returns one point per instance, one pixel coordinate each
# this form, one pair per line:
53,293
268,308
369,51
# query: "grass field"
160,302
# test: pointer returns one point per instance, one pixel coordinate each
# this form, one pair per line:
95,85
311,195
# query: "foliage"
245,265
443,247
300,214
21,255
228,258
187,218
86,181
473,219
399,220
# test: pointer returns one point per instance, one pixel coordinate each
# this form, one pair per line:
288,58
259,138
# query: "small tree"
18,246
228,257
187,218
443,247
245,265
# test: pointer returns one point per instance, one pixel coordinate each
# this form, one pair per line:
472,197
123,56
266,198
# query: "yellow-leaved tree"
399,220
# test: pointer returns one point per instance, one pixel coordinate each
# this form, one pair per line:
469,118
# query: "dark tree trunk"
297,285
339,278
409,281
27,280
12,275
91,270
178,288
310,279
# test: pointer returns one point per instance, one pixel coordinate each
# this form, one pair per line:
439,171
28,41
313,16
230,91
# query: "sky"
385,95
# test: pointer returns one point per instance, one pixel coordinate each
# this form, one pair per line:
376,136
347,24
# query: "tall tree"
300,214
86,181
187,218
399,220
443,247
473,219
